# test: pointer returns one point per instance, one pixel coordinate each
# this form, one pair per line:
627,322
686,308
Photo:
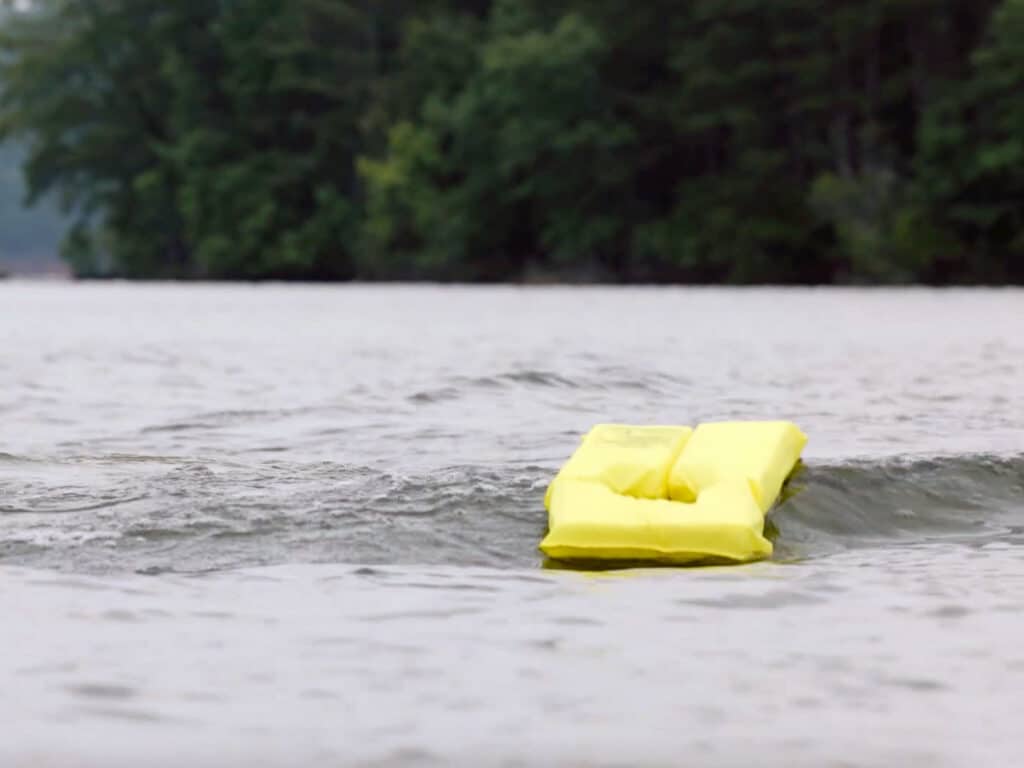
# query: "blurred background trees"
875,141
29,237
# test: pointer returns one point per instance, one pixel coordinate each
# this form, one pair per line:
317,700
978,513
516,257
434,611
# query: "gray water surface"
294,525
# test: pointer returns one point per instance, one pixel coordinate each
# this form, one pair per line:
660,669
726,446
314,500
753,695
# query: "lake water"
294,525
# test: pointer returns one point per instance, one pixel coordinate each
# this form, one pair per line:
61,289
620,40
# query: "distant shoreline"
47,271
42,276
58,271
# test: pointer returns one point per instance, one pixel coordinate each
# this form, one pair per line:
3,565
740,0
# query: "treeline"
27,236
699,140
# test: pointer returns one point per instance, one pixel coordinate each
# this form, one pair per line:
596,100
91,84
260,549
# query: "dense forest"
784,141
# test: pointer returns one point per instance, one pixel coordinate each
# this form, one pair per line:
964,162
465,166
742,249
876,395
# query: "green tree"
266,132
81,84
972,158
711,140
508,167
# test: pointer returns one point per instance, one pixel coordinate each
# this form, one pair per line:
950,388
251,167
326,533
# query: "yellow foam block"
590,522
634,461
763,453
670,494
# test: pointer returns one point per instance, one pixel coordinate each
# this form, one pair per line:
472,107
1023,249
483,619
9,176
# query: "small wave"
229,418
435,395
191,519
56,507
211,420
539,378
618,377
116,459
480,382
11,458
604,379
461,386
853,503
